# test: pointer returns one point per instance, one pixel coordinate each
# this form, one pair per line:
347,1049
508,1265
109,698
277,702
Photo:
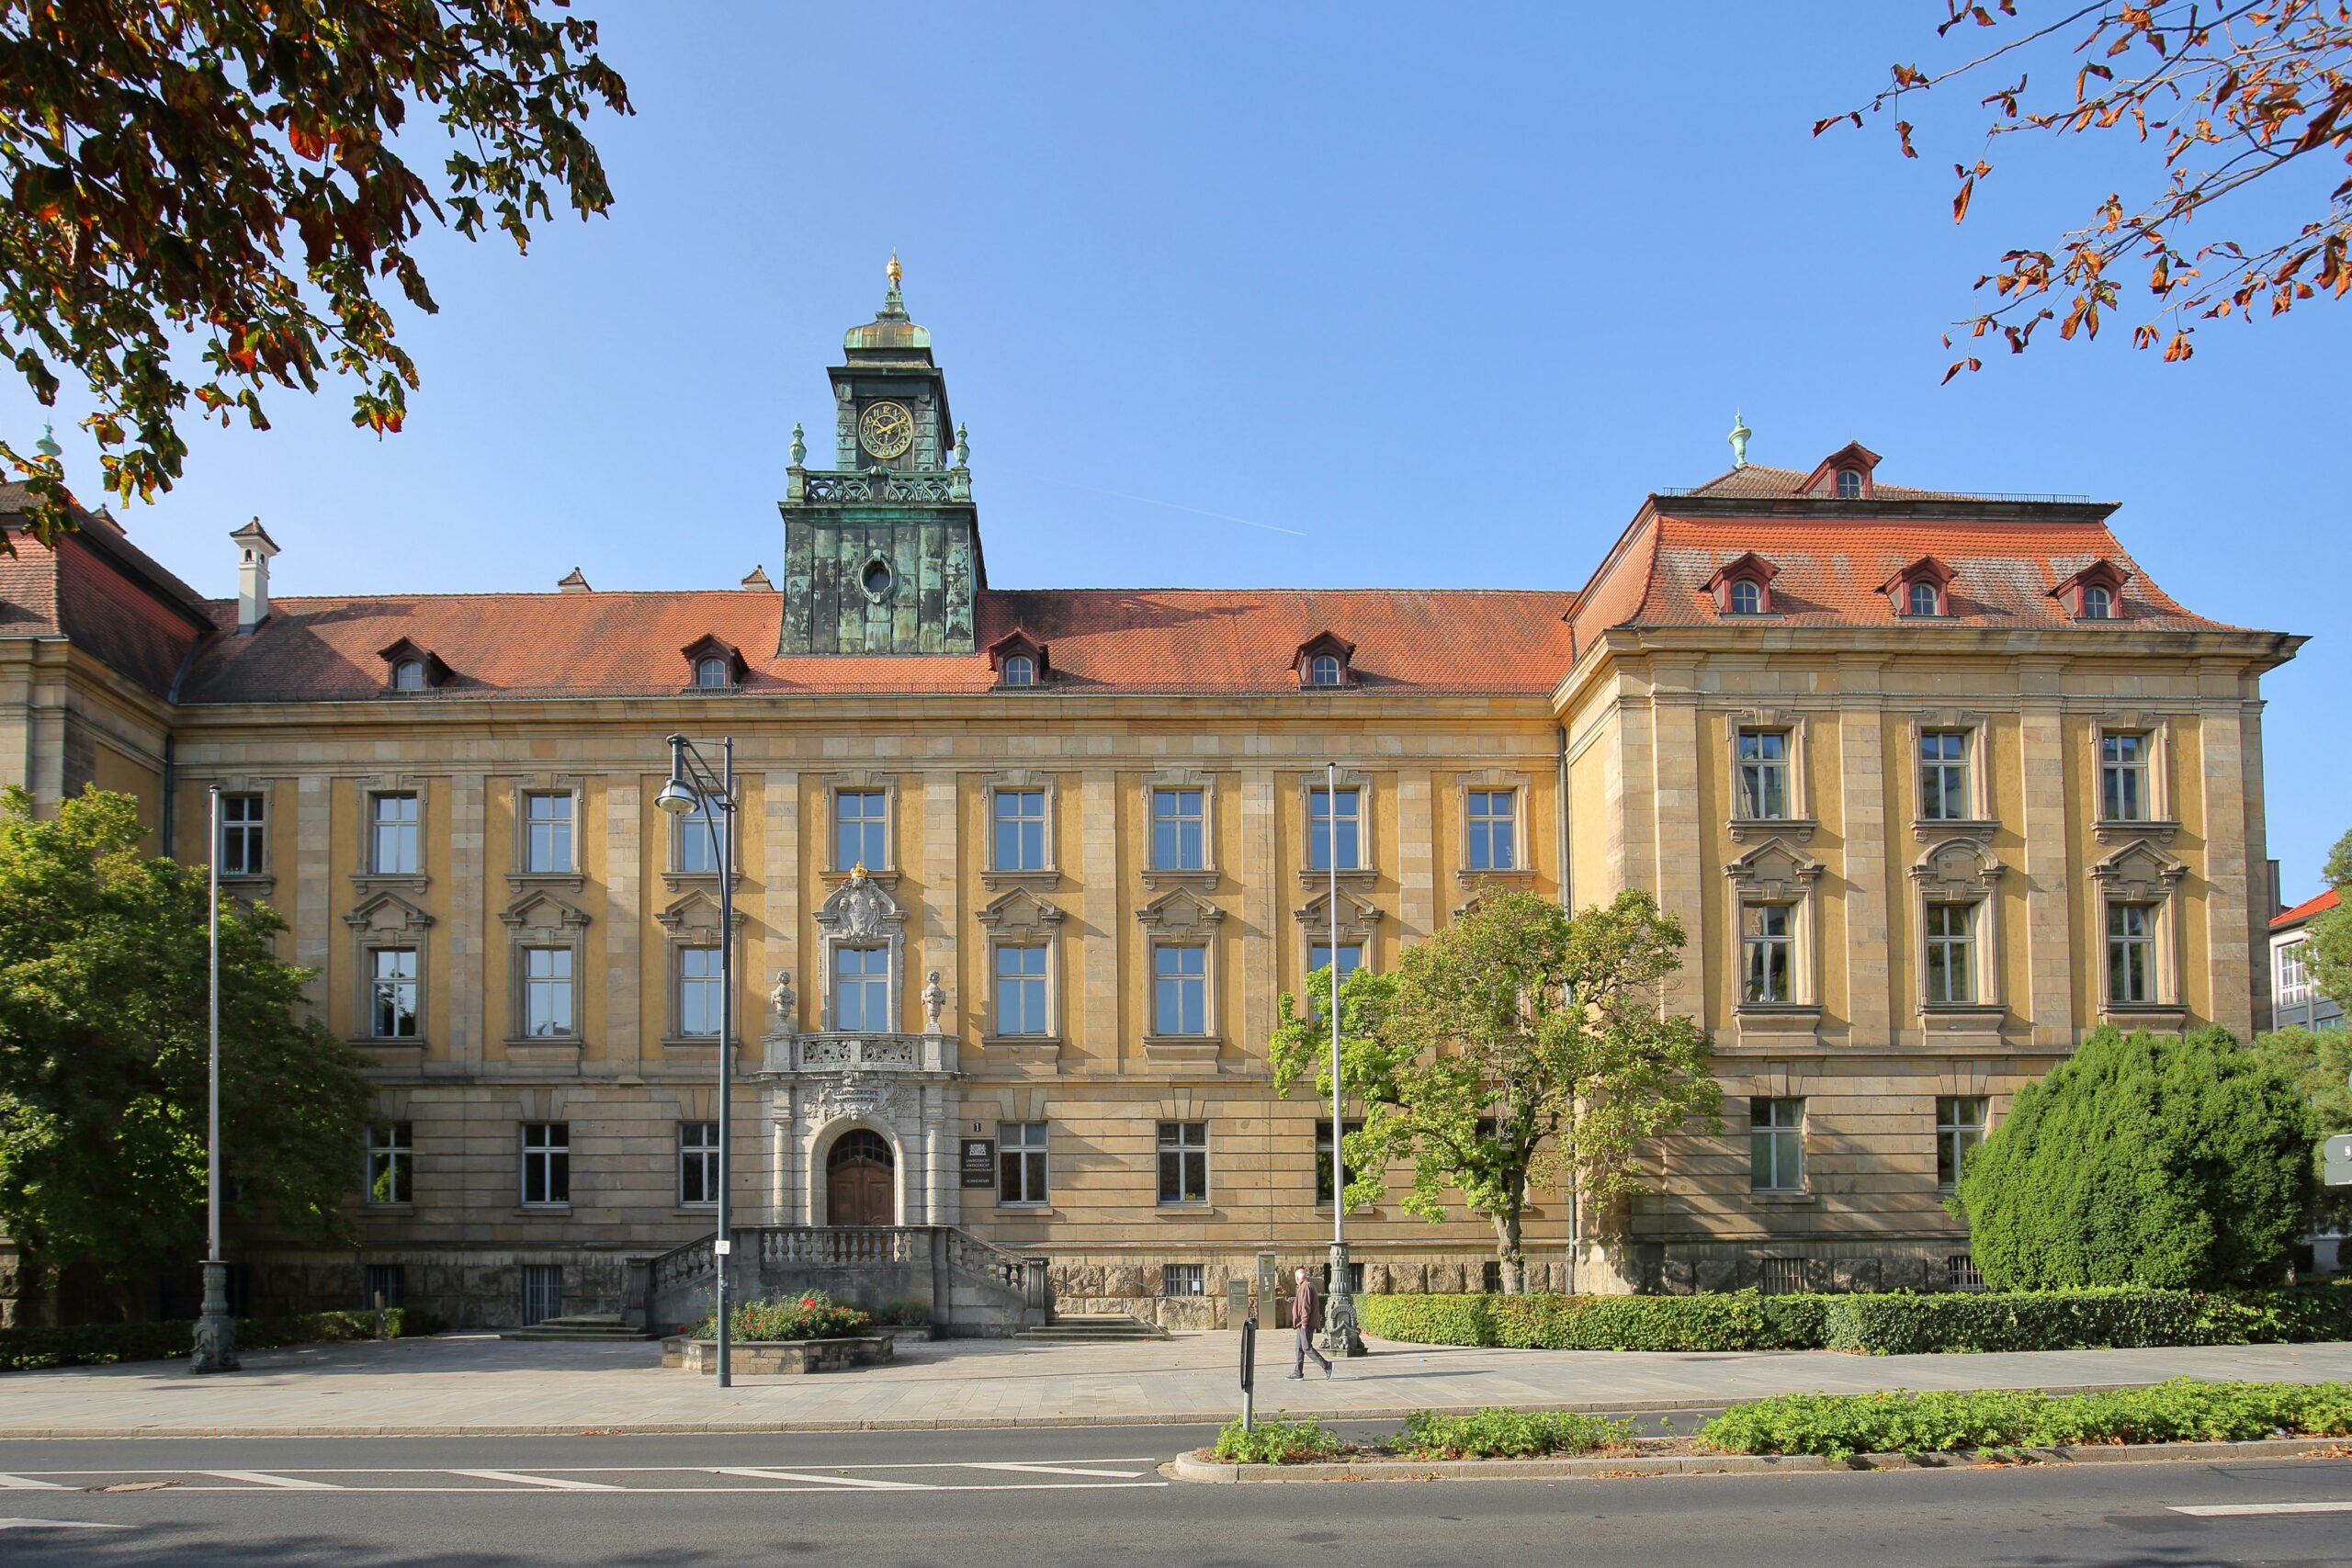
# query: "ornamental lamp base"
214,1345
1341,1335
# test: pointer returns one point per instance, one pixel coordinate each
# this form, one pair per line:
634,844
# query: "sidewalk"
477,1384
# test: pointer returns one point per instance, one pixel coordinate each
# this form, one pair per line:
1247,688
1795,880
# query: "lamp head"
675,798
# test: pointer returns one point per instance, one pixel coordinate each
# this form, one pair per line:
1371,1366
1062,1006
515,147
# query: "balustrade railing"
864,1246
840,1051
930,487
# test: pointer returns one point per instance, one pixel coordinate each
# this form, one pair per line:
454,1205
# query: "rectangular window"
1764,774
1960,1127
392,980
1775,1146
547,1162
542,1291
1323,1154
2131,952
392,842
243,835
1021,990
1183,1162
1951,953
1493,830
697,1163
1179,1279
2294,979
382,1285
862,988
391,1150
1335,827
1179,989
547,991
1943,777
698,990
547,824
2123,778
1764,942
1019,829
861,828
1318,953
1178,830
1021,1162
697,850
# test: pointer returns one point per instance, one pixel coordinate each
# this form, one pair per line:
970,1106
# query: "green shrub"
1736,1320
811,1315
103,1343
1497,1432
1274,1440
2180,1411
2170,1162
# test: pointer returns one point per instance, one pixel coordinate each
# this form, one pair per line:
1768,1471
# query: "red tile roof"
103,593
1220,641
2305,910
1756,481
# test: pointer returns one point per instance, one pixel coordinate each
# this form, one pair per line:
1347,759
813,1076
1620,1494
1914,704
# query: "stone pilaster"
2049,914
2229,956
313,879
468,914
623,919
781,795
1862,793
1416,857
1261,914
2260,894
940,896
1098,861
1676,748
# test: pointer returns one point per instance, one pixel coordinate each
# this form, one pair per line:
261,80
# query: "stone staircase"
587,1329
1092,1328
972,1287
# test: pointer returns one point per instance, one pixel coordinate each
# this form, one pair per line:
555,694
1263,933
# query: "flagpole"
214,1346
1339,1336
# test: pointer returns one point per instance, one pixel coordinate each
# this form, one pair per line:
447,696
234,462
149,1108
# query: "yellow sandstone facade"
1920,845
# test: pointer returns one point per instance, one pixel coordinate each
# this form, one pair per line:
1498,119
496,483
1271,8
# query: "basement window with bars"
1181,1279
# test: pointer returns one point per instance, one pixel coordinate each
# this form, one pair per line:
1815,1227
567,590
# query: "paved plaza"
477,1384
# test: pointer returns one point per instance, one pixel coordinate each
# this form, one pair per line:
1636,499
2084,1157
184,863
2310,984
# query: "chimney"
254,549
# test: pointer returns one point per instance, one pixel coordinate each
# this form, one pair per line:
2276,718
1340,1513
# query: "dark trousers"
1305,1348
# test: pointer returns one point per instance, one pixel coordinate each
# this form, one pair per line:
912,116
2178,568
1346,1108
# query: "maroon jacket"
1306,1309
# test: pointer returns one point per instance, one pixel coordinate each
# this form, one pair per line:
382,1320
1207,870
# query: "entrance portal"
860,1184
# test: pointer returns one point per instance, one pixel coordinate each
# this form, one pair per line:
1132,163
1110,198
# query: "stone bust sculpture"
783,1000
934,1001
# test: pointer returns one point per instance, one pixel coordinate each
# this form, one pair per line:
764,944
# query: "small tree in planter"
1516,1047
815,1316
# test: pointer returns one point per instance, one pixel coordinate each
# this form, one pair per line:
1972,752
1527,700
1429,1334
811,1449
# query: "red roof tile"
1154,640
2305,910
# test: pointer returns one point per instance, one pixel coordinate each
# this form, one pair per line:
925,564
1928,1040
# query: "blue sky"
1443,293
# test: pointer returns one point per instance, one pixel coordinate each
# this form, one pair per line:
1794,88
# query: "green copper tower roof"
890,329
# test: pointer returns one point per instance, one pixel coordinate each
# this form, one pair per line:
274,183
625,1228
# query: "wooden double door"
861,1181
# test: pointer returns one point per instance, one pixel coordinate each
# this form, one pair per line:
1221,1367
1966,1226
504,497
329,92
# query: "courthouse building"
1936,781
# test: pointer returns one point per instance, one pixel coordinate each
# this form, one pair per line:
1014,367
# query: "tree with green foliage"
156,161
103,1048
2319,1063
2171,1161
1519,1046
2328,948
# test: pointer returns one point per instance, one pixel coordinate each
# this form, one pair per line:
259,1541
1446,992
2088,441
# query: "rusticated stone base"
769,1357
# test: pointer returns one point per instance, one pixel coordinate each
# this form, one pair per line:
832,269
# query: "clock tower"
882,551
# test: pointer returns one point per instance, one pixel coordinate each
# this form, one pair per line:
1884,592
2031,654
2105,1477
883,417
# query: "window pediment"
1773,872
1956,870
1358,918
541,911
2137,870
1179,912
388,914
1020,913
860,908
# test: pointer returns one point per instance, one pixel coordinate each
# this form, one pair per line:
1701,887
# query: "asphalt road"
1024,1497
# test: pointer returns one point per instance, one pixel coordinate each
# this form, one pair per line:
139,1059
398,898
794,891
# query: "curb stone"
1185,1467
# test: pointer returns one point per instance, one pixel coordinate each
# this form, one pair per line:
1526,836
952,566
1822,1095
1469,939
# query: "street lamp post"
214,1346
691,785
1340,1334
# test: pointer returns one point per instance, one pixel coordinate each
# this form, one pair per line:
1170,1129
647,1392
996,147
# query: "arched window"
711,673
408,675
1849,484
1020,670
1747,597
1323,670
1924,599
2098,601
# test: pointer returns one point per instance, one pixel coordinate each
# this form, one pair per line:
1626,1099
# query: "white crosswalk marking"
264,1478
1058,1470
552,1482
2250,1510
56,1525
27,1483
856,1481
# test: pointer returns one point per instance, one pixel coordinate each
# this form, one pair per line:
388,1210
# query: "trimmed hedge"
102,1344
1866,1324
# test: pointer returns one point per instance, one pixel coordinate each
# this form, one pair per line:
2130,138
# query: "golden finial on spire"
893,269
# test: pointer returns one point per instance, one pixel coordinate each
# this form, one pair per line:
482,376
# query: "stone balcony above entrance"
844,1051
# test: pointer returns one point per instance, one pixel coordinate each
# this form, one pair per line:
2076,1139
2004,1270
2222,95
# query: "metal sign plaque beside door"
979,1162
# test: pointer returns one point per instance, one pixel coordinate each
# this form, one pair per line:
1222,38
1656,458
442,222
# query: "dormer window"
710,674
2094,593
1921,589
1324,662
1744,587
2098,601
1925,600
1020,670
408,675
1844,474
714,664
1020,661
1849,484
408,667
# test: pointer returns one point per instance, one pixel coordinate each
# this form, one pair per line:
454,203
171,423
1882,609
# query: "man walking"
1306,1313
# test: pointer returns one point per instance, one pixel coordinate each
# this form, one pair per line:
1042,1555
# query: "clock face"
886,429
